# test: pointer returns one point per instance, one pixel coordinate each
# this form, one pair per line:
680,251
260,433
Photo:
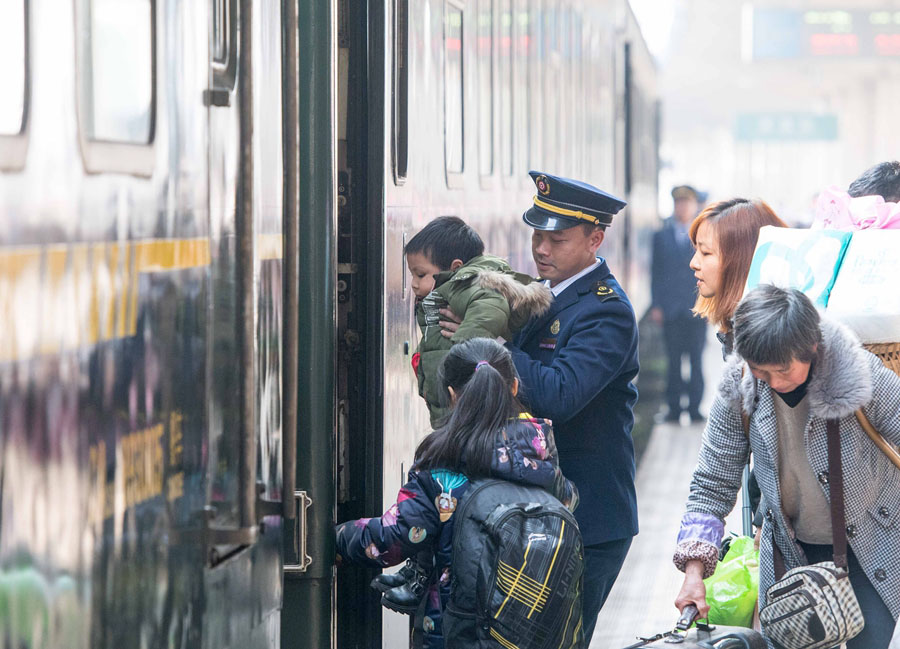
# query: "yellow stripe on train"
64,296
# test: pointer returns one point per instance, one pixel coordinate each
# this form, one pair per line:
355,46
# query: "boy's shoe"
407,597
383,583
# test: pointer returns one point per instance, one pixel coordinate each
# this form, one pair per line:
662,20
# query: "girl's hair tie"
480,364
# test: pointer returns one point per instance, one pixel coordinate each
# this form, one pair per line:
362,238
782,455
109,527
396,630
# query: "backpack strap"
876,437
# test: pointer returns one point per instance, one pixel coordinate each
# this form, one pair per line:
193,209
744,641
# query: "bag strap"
836,491
876,437
745,418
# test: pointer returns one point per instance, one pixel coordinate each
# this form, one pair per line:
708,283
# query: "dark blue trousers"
879,622
684,336
602,563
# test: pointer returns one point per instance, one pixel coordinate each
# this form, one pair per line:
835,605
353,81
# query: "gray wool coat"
845,378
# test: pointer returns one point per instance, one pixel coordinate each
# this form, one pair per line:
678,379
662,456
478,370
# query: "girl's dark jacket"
422,517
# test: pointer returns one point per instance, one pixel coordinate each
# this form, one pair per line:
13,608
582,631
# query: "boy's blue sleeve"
404,529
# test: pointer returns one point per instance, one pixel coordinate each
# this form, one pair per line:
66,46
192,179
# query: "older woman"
791,373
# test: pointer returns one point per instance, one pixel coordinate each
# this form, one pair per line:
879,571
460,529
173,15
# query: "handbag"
814,607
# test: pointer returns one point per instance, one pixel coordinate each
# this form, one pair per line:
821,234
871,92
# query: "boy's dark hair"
481,373
444,239
881,180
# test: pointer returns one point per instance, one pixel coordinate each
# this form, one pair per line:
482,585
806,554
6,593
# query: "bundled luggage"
853,276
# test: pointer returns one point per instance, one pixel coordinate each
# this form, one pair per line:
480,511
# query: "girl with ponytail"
488,434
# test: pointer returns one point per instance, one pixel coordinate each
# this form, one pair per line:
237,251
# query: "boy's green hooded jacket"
489,298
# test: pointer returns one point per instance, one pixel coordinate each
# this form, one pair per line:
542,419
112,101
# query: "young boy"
450,270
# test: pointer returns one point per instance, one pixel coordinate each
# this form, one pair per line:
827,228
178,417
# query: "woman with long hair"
724,235
488,434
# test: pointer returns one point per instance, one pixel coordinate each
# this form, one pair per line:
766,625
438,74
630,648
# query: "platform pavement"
641,602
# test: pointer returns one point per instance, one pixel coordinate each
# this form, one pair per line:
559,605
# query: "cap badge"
554,328
543,185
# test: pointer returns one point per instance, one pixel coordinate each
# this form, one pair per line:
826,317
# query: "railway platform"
641,602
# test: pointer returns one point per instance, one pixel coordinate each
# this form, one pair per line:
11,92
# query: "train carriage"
207,327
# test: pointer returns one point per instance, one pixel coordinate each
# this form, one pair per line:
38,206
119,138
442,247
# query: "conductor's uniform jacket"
576,364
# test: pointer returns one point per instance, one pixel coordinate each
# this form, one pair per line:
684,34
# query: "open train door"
239,523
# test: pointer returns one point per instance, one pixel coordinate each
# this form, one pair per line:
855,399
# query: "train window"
401,90
505,73
12,62
223,48
116,69
484,64
552,70
566,87
14,72
453,88
577,79
524,42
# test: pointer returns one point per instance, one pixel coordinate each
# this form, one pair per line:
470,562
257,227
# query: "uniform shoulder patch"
604,292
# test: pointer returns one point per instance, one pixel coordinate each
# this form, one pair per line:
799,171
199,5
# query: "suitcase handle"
688,614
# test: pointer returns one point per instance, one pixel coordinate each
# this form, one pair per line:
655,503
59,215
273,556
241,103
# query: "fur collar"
532,299
841,382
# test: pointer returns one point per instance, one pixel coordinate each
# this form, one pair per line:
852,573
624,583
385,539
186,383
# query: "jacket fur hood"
532,299
841,381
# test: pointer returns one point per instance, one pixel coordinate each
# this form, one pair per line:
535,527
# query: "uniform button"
884,511
769,515
880,574
823,477
851,531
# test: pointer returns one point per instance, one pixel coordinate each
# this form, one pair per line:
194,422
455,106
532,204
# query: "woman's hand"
693,590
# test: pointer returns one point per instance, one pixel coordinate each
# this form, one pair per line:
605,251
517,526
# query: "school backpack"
516,573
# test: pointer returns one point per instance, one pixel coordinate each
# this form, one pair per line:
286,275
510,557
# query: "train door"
224,335
240,525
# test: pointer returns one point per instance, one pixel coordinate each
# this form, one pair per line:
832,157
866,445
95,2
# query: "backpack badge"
417,534
554,328
446,505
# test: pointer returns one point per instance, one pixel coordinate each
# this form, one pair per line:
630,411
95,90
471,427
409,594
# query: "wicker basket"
889,353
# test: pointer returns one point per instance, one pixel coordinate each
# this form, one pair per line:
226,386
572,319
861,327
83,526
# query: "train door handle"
303,502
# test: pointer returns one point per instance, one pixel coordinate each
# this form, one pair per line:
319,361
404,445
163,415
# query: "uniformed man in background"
673,291
577,363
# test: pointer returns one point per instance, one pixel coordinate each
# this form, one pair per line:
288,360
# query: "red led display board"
822,33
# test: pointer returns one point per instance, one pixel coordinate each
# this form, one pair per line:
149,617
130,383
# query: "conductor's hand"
693,590
449,323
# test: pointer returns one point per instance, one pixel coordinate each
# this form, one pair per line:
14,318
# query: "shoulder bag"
814,607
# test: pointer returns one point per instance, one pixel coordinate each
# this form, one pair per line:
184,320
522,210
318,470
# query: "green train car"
206,325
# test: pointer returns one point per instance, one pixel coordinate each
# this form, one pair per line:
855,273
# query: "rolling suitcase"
702,636
720,637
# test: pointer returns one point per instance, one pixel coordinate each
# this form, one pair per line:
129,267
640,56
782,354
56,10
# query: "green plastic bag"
732,590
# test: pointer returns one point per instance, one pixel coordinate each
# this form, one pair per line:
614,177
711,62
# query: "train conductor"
576,364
